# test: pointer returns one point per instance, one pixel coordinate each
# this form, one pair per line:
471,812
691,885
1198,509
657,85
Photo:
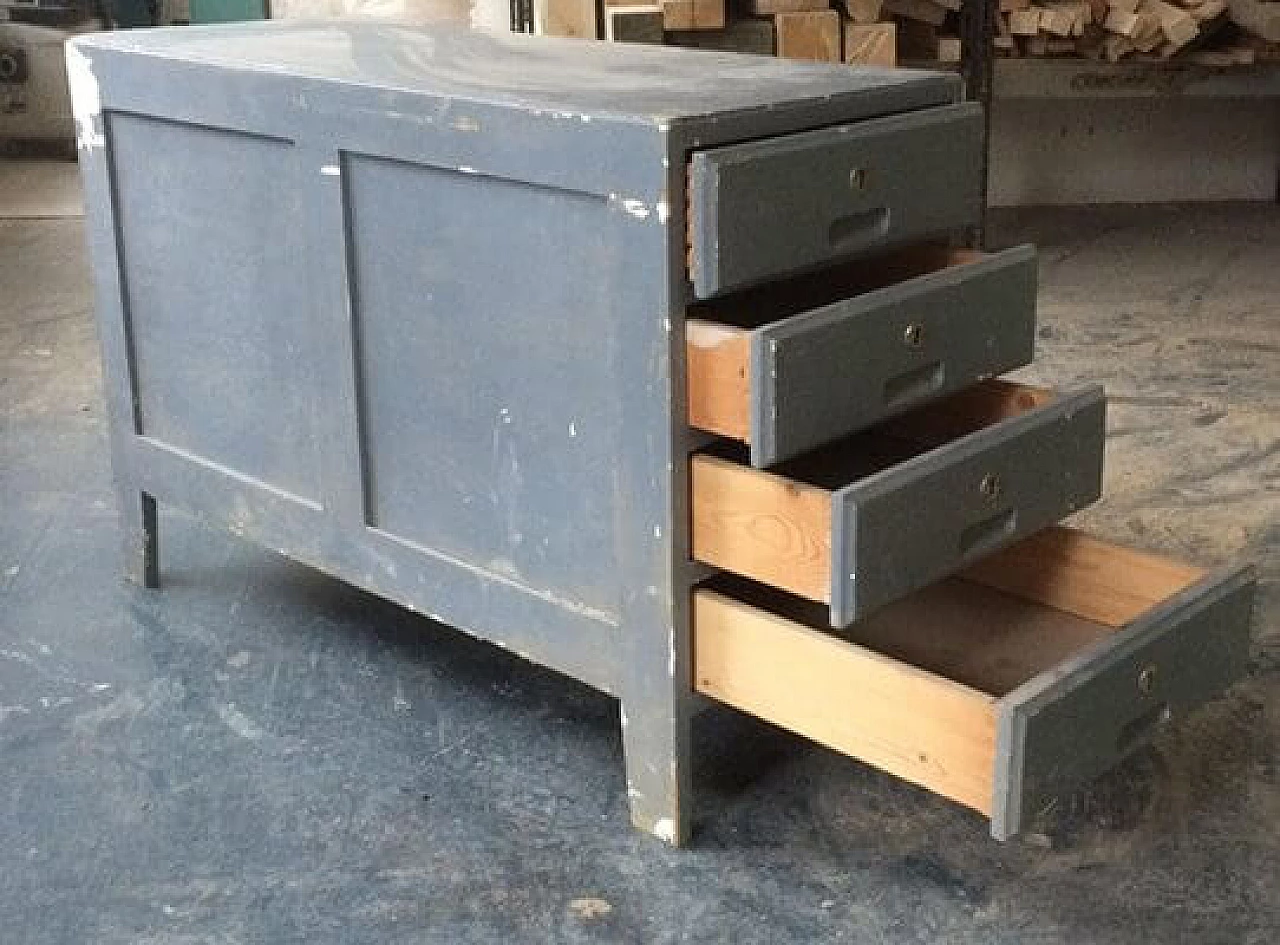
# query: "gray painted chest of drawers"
653,366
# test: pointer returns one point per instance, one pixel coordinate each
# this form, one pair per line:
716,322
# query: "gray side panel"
1069,725
846,366
486,326
785,204
215,294
926,518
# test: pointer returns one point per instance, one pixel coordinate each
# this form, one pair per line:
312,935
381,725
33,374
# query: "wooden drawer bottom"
1039,668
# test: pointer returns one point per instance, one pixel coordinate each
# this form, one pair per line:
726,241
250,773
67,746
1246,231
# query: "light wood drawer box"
1034,672
789,367
867,520
763,209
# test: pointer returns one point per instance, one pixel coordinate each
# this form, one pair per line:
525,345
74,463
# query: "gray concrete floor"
258,754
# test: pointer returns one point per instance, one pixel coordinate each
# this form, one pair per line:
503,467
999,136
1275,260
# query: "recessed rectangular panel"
213,271
485,320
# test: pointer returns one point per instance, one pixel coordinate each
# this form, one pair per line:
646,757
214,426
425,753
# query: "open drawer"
792,366
869,519
768,208
1035,672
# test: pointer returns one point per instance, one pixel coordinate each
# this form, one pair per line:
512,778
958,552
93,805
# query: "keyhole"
990,485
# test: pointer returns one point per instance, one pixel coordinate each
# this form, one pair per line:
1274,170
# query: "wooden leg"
141,538
656,742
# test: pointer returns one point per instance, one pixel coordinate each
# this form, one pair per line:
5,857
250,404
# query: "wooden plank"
1258,17
1126,24
920,727
1058,21
693,14
718,360
949,48
871,44
863,11
810,36
633,24
575,18
1024,22
1093,579
761,525
1179,26
1208,10
1116,46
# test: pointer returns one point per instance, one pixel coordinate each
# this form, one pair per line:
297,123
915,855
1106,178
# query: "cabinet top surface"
631,81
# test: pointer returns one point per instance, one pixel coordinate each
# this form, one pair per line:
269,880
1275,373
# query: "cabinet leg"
141,538
655,740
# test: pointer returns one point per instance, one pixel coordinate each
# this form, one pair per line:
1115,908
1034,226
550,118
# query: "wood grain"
566,18
693,14
761,525
918,726
718,361
1074,572
871,44
811,36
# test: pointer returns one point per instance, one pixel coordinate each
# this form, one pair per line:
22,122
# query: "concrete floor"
260,754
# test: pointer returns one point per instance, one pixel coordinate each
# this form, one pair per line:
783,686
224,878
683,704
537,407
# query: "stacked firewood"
898,32
861,32
1112,29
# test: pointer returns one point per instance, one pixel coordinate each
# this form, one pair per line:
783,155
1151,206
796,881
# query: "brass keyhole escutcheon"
858,179
1147,680
990,485
912,335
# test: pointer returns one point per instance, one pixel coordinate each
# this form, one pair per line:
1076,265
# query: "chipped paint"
8,710
665,829
466,169
239,723
636,208
86,101
331,170
573,428
664,211
466,123
657,531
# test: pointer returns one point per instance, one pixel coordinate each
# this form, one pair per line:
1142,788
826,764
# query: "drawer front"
1069,725
932,515
997,690
765,208
835,370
